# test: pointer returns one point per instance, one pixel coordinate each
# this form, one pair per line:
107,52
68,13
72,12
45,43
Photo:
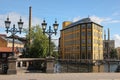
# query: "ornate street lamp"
49,32
13,30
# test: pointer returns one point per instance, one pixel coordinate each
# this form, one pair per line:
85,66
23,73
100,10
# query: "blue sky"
104,12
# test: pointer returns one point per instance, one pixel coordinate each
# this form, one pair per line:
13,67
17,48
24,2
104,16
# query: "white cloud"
36,21
76,19
99,20
14,18
94,18
2,18
113,21
116,37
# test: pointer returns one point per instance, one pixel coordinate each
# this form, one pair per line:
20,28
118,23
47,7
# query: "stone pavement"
61,76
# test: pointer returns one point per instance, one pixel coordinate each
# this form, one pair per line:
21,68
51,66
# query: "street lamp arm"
13,30
49,33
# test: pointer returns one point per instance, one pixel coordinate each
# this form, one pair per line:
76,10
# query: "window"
89,33
77,42
77,34
83,47
83,40
88,26
83,33
83,26
89,47
89,41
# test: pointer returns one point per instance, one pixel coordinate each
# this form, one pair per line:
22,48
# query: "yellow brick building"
81,40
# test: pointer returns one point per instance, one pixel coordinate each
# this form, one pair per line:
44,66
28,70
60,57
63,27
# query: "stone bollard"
12,65
50,62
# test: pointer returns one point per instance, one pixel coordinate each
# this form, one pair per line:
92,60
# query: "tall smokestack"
104,35
30,23
108,34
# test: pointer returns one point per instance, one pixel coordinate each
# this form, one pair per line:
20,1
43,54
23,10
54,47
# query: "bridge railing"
87,65
41,64
31,63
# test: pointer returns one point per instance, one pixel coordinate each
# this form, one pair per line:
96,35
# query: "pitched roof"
22,39
84,20
3,36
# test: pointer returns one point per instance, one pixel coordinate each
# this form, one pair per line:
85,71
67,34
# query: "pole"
13,40
13,45
49,33
49,44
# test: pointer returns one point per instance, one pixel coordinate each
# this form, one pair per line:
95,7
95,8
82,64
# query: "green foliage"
55,54
39,45
113,53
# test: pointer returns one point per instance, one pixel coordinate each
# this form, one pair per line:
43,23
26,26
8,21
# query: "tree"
39,45
54,51
113,53
55,54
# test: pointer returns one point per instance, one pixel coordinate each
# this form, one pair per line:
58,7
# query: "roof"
22,39
7,49
3,36
84,20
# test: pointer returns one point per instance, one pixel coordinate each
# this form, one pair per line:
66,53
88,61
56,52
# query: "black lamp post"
13,30
49,32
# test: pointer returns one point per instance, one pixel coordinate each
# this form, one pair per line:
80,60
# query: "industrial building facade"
108,45
81,40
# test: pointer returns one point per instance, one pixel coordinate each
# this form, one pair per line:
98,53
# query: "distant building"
118,52
6,46
108,45
81,40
